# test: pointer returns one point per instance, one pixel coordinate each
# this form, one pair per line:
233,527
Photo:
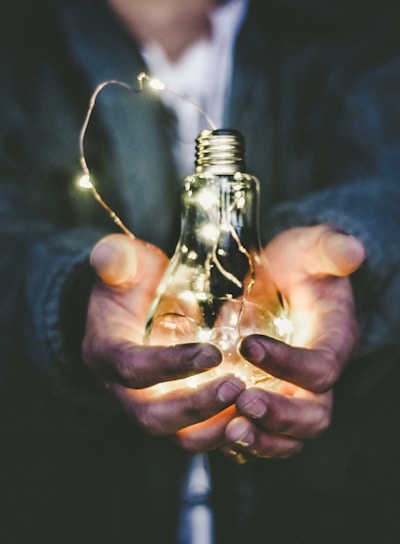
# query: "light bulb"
218,287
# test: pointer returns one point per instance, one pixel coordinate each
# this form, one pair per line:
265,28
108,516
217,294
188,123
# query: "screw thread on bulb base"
220,151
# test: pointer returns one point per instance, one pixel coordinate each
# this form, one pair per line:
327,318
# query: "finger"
330,345
251,440
315,369
207,435
320,250
137,366
116,259
335,253
166,414
303,416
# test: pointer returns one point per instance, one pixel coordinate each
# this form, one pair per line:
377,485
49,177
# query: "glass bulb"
218,287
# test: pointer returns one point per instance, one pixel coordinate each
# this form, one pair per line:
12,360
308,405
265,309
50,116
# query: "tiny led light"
192,255
84,182
209,232
207,199
284,326
156,84
240,201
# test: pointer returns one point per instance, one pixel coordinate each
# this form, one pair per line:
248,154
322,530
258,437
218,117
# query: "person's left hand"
311,267
127,274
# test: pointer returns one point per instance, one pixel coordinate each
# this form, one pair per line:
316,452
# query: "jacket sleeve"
363,199
46,234
46,280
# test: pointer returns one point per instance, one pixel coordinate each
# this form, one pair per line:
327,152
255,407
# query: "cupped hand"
311,266
128,272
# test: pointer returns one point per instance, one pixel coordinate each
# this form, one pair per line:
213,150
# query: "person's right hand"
128,272
311,266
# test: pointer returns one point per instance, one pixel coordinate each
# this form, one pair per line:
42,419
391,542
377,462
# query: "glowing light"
284,326
234,320
207,199
240,201
225,226
157,84
84,182
204,335
192,255
210,232
160,86
153,83
192,382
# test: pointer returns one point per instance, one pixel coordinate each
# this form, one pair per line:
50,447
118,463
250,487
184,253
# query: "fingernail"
255,408
229,390
240,433
100,253
207,357
252,350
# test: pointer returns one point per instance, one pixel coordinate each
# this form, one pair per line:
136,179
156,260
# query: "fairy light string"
160,86
85,182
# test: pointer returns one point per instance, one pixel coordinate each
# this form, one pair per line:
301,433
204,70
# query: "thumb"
337,253
114,259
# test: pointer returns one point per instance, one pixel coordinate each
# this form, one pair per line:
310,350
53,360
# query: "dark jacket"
316,94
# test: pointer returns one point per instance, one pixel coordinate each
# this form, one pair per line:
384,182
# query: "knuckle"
284,418
319,420
170,359
141,417
296,449
323,422
127,372
197,410
146,420
325,381
285,450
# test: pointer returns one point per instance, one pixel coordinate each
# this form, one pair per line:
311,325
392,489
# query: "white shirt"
203,74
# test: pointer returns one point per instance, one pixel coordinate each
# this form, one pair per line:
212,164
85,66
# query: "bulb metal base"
220,151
